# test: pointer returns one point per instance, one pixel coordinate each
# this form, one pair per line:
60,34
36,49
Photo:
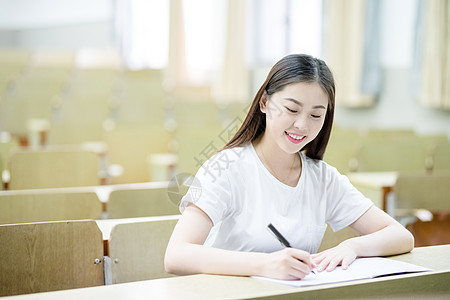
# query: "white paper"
361,268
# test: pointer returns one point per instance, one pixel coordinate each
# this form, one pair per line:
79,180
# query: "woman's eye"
291,110
316,116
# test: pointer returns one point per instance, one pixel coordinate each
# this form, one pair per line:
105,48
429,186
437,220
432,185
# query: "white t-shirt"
242,197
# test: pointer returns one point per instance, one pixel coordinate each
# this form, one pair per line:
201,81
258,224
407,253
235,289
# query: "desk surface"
106,226
102,191
232,287
375,179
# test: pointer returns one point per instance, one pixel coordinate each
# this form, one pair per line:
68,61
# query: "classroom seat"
144,202
424,197
29,95
195,145
129,146
96,82
431,191
137,249
389,135
76,121
14,57
53,58
50,256
53,168
397,155
441,156
25,206
342,149
196,114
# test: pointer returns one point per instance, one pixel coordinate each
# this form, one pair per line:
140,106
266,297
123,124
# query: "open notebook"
361,268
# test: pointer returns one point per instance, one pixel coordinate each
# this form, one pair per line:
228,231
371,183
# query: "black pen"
281,238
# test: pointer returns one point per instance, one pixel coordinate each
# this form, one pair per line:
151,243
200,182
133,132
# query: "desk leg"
389,202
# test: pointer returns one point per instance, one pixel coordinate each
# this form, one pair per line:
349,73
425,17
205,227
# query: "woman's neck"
286,167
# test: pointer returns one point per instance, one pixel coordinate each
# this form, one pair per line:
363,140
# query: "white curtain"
175,74
346,51
233,83
141,29
435,79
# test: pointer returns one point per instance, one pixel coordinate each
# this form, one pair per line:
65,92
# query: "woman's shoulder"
230,155
226,160
319,166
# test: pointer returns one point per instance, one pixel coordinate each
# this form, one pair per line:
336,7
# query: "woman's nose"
301,122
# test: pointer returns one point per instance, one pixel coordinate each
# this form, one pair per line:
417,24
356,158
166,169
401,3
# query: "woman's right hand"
287,264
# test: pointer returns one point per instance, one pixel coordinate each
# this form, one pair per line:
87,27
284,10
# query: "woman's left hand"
328,260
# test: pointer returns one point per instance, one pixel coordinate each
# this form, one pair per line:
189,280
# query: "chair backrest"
130,146
441,156
342,149
53,169
48,205
141,202
396,155
421,190
137,249
390,135
49,256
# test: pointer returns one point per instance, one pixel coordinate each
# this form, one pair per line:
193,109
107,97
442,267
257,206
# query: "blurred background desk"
375,185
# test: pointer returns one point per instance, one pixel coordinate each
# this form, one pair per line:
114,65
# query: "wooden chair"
342,149
414,190
52,169
50,256
26,206
390,135
129,145
396,155
136,247
141,98
419,192
144,202
441,156
195,146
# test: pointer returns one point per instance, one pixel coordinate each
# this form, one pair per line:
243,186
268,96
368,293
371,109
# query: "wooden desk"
419,285
377,186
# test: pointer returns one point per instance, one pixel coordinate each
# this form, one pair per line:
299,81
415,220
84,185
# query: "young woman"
272,171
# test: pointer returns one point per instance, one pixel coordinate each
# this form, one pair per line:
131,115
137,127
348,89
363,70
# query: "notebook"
361,268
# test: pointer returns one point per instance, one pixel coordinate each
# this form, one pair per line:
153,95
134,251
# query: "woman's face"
294,115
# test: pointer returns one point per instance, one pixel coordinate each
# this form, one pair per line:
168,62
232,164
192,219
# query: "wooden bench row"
46,256
96,202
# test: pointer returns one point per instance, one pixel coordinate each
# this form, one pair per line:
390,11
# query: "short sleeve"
211,190
345,204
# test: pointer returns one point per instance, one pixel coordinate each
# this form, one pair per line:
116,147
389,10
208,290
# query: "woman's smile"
294,138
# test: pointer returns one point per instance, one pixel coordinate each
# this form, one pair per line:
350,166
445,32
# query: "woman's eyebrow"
301,104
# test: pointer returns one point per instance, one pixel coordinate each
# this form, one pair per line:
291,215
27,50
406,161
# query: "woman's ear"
263,102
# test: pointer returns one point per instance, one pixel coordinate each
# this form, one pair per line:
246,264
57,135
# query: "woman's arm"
186,254
381,236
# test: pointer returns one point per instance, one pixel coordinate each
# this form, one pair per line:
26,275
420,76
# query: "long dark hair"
290,69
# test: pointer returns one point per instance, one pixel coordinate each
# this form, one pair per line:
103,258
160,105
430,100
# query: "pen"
281,238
